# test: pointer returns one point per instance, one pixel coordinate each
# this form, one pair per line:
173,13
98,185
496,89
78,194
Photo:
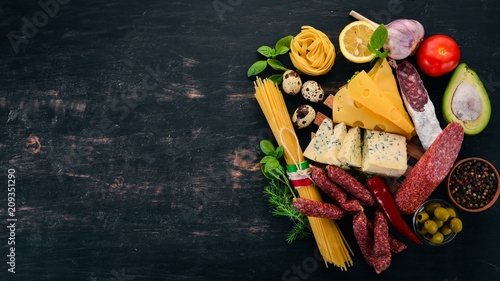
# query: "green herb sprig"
280,193
281,47
377,41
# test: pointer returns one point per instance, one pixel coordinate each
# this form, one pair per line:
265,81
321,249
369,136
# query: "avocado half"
466,101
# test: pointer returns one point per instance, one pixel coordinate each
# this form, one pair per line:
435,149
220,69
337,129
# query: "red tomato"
438,55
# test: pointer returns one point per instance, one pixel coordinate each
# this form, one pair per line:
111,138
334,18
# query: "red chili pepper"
384,198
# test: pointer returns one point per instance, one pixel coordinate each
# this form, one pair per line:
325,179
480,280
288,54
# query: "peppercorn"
473,184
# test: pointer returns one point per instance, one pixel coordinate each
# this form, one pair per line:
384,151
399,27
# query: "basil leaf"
271,165
282,50
378,39
284,42
267,147
266,159
257,67
266,51
276,64
273,174
279,152
276,78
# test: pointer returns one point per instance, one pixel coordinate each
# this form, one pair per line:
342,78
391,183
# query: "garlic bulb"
405,35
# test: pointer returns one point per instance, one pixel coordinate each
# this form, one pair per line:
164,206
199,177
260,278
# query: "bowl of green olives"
436,222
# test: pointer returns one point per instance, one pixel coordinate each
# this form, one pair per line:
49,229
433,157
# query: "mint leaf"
377,41
276,64
271,165
257,67
284,42
279,152
266,51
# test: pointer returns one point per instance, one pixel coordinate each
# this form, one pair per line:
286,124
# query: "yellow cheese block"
364,91
383,76
345,110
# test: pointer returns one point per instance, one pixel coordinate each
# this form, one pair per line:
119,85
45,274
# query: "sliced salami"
430,170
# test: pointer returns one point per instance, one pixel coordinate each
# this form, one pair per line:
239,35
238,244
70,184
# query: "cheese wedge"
384,154
345,110
350,151
383,76
318,147
364,91
339,133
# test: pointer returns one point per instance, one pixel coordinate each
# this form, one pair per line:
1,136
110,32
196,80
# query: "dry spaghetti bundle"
331,243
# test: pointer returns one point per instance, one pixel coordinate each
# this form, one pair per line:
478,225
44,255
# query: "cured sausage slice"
430,170
313,208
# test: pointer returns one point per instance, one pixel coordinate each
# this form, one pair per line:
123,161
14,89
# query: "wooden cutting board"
413,148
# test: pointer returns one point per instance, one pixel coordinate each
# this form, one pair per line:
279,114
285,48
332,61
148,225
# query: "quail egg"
312,91
291,82
303,116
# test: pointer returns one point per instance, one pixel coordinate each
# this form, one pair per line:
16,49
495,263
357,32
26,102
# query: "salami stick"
312,208
381,246
396,245
363,236
430,170
418,104
320,178
351,184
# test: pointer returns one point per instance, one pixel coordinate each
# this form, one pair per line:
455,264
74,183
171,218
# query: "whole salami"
351,184
418,104
430,170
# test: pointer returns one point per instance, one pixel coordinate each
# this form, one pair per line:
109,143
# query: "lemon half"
354,39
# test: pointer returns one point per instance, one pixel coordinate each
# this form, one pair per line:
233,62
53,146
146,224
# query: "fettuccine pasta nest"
312,52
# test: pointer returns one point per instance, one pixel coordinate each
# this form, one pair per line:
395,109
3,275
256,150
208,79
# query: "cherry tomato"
438,55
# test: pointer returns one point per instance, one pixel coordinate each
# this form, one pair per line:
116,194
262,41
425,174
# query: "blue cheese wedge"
350,151
318,147
384,154
335,143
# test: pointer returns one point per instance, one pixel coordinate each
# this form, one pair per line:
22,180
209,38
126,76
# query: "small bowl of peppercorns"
473,184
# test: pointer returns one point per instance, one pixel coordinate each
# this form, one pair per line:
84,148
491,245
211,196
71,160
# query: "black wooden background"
133,133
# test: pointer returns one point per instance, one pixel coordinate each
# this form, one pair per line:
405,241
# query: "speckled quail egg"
312,91
291,82
303,116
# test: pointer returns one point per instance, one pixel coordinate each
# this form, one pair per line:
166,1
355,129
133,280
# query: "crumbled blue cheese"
384,154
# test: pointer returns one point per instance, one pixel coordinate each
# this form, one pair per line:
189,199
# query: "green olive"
430,226
452,212
422,217
456,225
429,207
437,238
445,229
441,213
421,230
438,222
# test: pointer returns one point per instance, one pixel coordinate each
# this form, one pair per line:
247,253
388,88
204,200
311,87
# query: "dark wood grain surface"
133,133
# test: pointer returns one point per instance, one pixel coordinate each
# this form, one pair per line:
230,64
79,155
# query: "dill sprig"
280,193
